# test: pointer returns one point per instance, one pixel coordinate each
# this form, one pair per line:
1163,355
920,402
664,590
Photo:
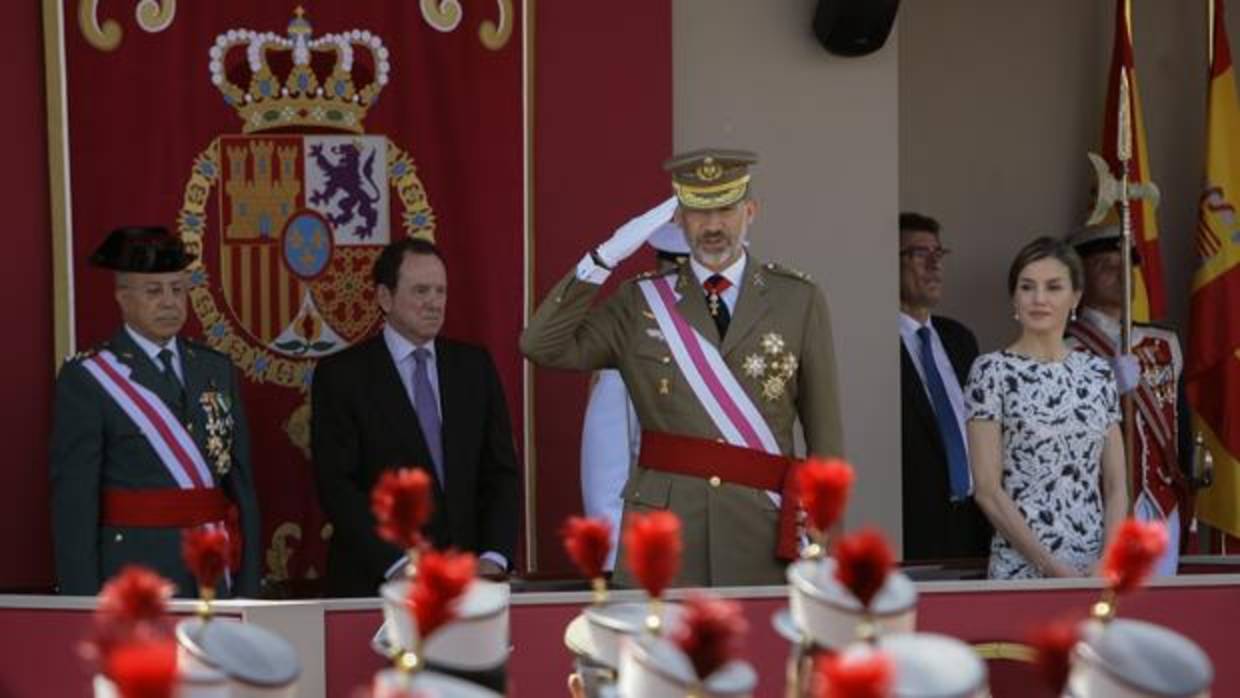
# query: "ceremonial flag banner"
286,145
1213,367
1148,295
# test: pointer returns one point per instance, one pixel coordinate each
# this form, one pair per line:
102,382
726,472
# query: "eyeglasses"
922,254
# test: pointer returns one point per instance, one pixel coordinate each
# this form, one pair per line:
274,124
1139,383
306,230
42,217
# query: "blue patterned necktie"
427,407
949,428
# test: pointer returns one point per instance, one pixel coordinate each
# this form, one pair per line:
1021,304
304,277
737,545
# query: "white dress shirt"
735,273
951,382
151,349
402,350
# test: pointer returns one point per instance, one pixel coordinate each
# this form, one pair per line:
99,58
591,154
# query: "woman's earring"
1016,315
1073,316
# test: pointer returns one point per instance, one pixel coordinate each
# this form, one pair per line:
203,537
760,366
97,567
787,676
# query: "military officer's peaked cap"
142,250
710,178
1107,237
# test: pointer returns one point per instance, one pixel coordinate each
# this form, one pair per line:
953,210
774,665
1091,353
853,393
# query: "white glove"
1127,372
630,236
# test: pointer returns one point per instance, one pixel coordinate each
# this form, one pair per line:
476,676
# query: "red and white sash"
712,382
172,443
1161,427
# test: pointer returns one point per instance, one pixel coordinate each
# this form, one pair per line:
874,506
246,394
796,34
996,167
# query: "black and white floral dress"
1053,418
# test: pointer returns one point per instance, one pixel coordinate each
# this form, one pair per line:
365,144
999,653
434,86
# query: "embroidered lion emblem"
352,177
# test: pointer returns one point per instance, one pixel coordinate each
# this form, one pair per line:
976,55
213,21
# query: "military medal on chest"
772,367
219,429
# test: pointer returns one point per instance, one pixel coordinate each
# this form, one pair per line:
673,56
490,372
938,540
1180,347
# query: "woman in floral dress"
1045,447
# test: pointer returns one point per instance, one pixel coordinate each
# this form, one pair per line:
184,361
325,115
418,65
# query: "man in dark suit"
408,397
149,435
941,520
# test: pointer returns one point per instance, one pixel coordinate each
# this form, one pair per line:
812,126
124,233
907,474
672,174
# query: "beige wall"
999,101
976,112
751,75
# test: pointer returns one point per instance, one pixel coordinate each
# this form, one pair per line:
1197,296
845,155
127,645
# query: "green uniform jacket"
96,446
729,531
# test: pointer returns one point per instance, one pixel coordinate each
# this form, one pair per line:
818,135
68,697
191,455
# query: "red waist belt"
173,508
687,455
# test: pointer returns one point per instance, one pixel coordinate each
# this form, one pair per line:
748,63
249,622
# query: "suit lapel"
751,305
389,394
450,404
955,352
915,393
692,305
197,381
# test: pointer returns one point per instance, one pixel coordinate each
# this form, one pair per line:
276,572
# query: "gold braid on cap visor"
711,196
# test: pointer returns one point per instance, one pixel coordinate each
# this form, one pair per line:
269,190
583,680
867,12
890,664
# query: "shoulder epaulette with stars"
205,348
787,271
82,355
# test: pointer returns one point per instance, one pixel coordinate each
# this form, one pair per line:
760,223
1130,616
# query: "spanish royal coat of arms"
303,200
302,206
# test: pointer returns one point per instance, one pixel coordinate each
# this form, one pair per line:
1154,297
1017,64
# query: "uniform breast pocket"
123,431
647,489
649,349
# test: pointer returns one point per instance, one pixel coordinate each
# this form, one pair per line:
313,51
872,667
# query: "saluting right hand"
633,234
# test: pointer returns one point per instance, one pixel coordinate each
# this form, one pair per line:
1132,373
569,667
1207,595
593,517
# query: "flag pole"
1124,155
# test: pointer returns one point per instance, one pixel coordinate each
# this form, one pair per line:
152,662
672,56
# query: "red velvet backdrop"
26,286
603,111
141,113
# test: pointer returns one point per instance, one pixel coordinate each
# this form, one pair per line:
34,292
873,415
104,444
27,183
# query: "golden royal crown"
300,80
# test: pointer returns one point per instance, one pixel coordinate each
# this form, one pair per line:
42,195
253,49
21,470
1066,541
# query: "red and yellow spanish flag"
1213,370
1148,296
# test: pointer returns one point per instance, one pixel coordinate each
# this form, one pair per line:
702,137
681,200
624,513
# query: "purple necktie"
427,407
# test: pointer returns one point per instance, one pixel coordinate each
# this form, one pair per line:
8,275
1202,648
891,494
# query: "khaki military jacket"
779,347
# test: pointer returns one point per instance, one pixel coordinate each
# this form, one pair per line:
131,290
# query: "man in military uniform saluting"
149,436
721,356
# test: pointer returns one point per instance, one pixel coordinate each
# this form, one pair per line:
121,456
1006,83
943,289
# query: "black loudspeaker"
854,27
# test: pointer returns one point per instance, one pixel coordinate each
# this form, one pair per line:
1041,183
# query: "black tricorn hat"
143,250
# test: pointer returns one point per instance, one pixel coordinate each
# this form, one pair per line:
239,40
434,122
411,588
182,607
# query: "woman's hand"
1058,568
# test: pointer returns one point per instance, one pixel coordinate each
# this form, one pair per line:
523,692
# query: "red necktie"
715,286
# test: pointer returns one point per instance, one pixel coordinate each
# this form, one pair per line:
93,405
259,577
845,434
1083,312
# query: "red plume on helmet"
135,594
1131,556
401,503
144,669
1052,645
853,675
824,486
442,578
652,546
588,541
131,607
711,633
206,553
862,562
